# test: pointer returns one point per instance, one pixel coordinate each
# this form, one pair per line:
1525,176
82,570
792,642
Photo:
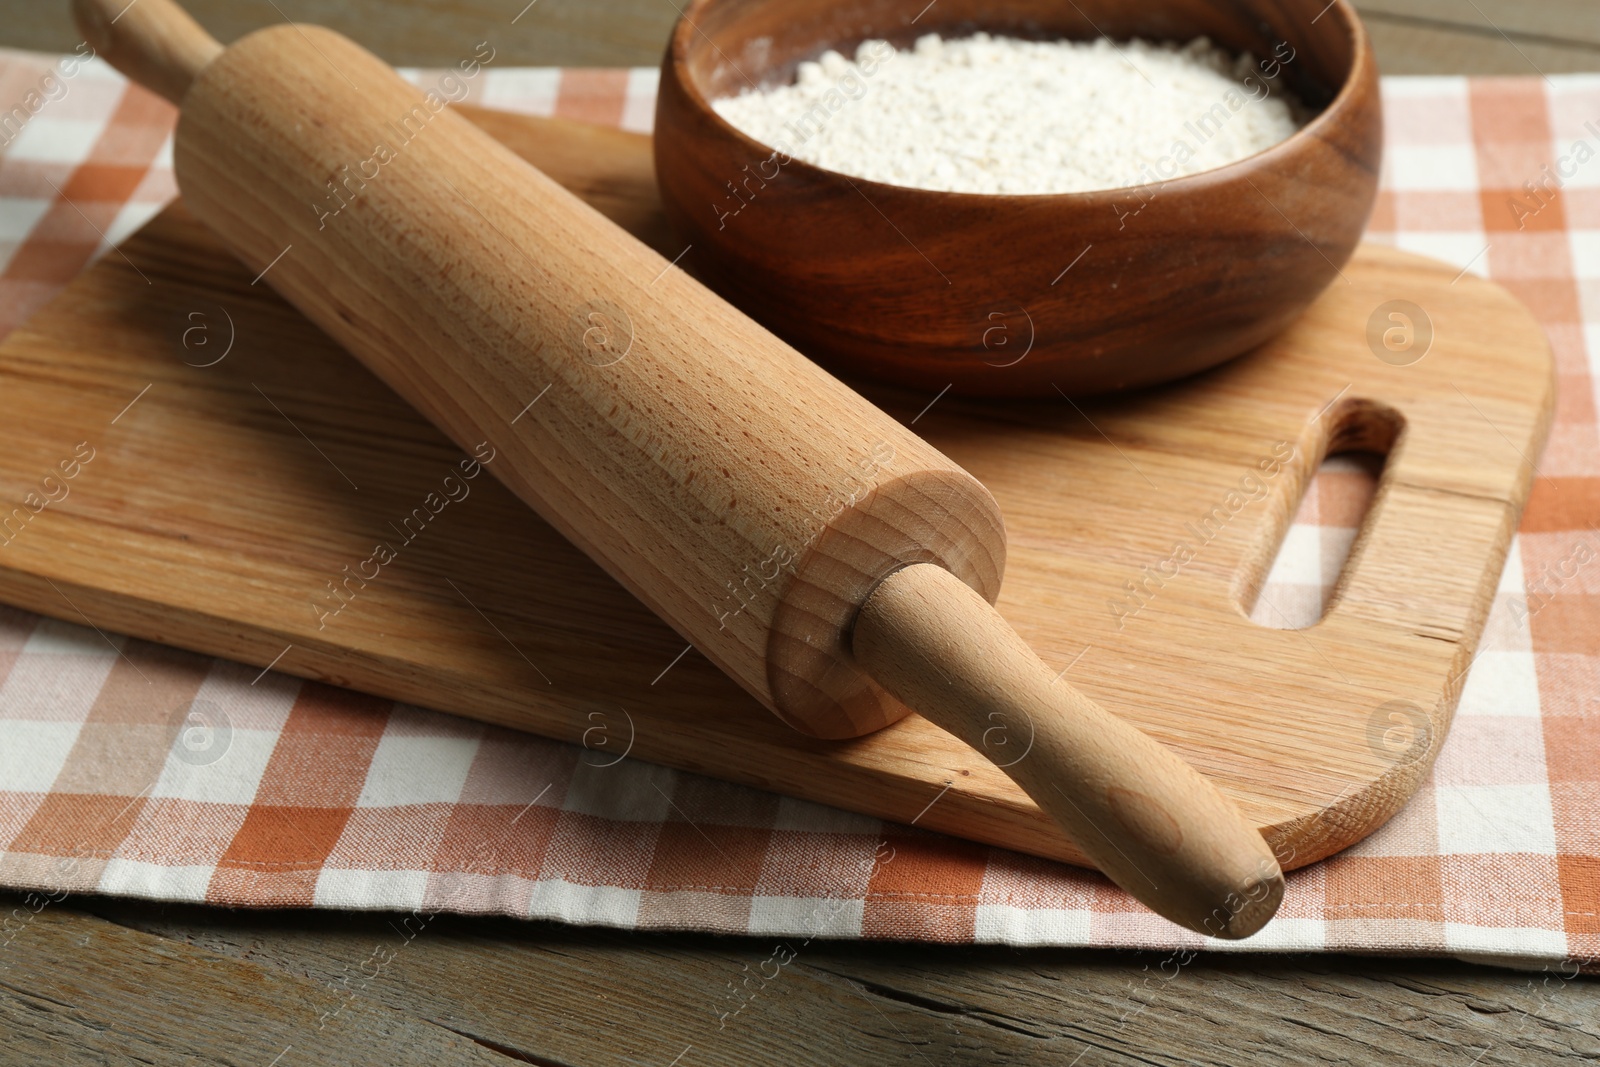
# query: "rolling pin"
834,564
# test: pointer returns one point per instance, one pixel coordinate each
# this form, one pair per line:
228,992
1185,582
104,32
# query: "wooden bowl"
1018,295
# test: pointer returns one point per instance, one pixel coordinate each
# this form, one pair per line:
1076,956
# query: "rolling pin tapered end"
154,42
1259,904
1145,817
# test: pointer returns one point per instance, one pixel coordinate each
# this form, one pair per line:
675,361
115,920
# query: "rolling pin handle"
1148,820
154,42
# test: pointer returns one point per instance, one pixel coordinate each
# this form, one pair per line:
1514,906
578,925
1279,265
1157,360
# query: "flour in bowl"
987,114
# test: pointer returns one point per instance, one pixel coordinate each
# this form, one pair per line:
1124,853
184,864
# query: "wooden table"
1411,36
93,980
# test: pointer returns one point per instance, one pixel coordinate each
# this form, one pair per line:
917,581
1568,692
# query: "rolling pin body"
804,541
743,493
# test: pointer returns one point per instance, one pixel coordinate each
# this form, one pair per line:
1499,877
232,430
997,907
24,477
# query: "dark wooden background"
1411,36
93,980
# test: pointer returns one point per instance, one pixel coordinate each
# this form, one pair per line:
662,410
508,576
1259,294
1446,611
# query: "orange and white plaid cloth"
314,796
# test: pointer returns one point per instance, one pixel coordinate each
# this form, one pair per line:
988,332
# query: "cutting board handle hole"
1320,516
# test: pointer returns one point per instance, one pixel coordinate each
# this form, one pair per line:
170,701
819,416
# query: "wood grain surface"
1096,497
1409,36
554,995
418,991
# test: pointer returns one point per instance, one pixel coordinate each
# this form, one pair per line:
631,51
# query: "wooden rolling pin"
837,566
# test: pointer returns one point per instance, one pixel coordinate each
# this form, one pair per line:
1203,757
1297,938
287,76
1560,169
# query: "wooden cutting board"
241,462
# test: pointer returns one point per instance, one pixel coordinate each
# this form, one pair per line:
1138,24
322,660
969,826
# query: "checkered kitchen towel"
319,797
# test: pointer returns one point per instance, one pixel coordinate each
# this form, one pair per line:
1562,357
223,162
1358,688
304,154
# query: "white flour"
998,115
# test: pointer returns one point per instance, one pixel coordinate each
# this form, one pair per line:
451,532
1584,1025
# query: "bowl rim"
1361,64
